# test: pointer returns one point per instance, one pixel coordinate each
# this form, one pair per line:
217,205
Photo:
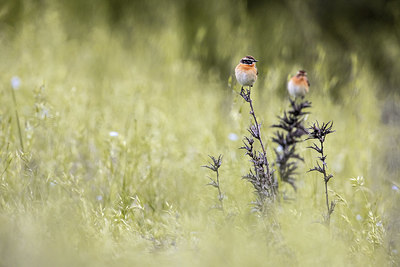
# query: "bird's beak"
255,60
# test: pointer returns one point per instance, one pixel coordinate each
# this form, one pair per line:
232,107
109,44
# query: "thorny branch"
292,130
260,176
214,166
319,133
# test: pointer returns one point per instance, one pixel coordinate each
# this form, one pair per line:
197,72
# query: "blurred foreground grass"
115,129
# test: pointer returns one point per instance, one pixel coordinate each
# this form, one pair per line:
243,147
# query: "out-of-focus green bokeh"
120,102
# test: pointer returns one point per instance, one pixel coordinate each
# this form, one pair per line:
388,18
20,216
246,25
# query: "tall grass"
115,128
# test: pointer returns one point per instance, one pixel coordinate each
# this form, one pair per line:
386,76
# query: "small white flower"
395,188
358,217
52,184
113,134
99,198
15,82
45,113
233,137
279,149
379,224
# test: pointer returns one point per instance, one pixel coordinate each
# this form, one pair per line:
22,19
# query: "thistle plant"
292,126
214,166
319,133
260,175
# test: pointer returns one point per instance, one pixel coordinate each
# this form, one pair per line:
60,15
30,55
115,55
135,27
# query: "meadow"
105,127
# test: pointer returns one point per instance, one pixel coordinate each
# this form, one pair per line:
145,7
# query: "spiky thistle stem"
214,166
291,129
320,133
260,176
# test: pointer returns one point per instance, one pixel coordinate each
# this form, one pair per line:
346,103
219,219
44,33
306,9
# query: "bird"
246,71
298,86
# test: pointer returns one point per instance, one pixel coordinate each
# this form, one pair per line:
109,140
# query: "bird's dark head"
301,73
248,60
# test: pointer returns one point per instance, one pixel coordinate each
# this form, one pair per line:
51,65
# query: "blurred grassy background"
120,103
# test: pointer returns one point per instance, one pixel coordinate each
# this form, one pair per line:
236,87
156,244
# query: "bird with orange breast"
246,71
298,86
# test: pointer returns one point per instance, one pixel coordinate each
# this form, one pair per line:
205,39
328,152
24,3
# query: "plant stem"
260,139
16,115
327,201
261,178
257,125
326,183
320,134
219,192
